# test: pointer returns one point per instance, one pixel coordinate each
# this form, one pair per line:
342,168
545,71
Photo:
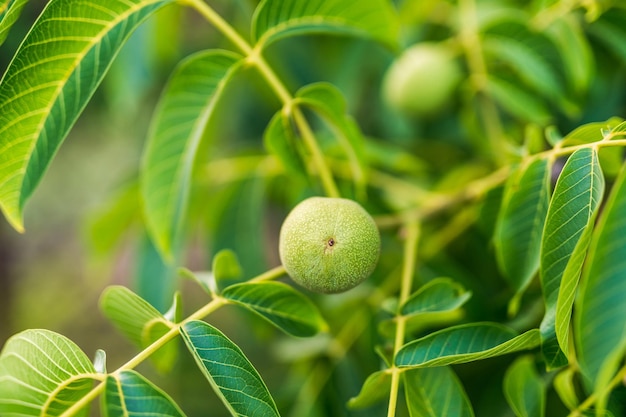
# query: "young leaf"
50,80
592,132
43,373
520,222
435,392
226,268
577,194
523,388
177,127
600,309
280,304
440,294
280,140
135,318
328,101
9,12
128,394
231,375
375,388
565,388
464,343
276,19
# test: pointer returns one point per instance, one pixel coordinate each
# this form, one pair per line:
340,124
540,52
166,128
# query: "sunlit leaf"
435,392
440,294
591,132
577,194
565,387
600,328
520,222
281,305
464,343
43,373
50,80
128,394
232,376
276,19
523,388
9,12
186,106
376,388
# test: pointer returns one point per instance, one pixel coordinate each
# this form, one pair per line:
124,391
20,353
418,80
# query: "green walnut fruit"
422,80
329,245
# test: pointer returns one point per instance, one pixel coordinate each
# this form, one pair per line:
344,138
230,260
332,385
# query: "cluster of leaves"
556,231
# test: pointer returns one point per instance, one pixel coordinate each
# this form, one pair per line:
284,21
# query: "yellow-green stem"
408,269
617,379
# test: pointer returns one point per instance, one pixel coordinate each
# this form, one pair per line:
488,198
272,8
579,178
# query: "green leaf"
280,140
128,394
9,12
577,194
599,324
523,388
435,392
43,373
329,103
565,388
280,304
464,343
50,80
232,376
140,322
517,101
521,220
226,268
440,294
276,19
592,132
186,106
375,389
610,30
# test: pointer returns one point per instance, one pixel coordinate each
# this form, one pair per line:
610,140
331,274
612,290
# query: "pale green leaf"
276,19
226,268
600,328
9,12
375,389
42,373
440,294
230,373
524,389
186,106
464,343
577,194
517,101
50,80
592,132
100,362
139,321
128,394
520,222
281,305
330,104
565,387
435,392
280,140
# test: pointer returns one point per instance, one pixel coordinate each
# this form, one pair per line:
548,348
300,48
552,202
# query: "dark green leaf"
280,140
186,106
231,375
280,304
464,343
52,77
440,294
435,392
600,328
375,389
518,102
523,388
129,394
9,12
276,19
577,194
43,374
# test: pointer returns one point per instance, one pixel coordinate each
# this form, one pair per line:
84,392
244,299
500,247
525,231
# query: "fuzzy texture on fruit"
329,245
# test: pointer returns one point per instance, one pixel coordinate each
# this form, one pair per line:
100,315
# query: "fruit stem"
408,268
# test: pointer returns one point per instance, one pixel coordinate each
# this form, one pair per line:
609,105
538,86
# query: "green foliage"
482,188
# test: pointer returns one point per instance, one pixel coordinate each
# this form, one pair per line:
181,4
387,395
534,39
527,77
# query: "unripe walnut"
329,245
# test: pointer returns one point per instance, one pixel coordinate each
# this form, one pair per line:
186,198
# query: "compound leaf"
276,19
179,122
128,394
577,194
280,304
230,373
43,373
434,392
523,388
9,12
464,343
50,80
